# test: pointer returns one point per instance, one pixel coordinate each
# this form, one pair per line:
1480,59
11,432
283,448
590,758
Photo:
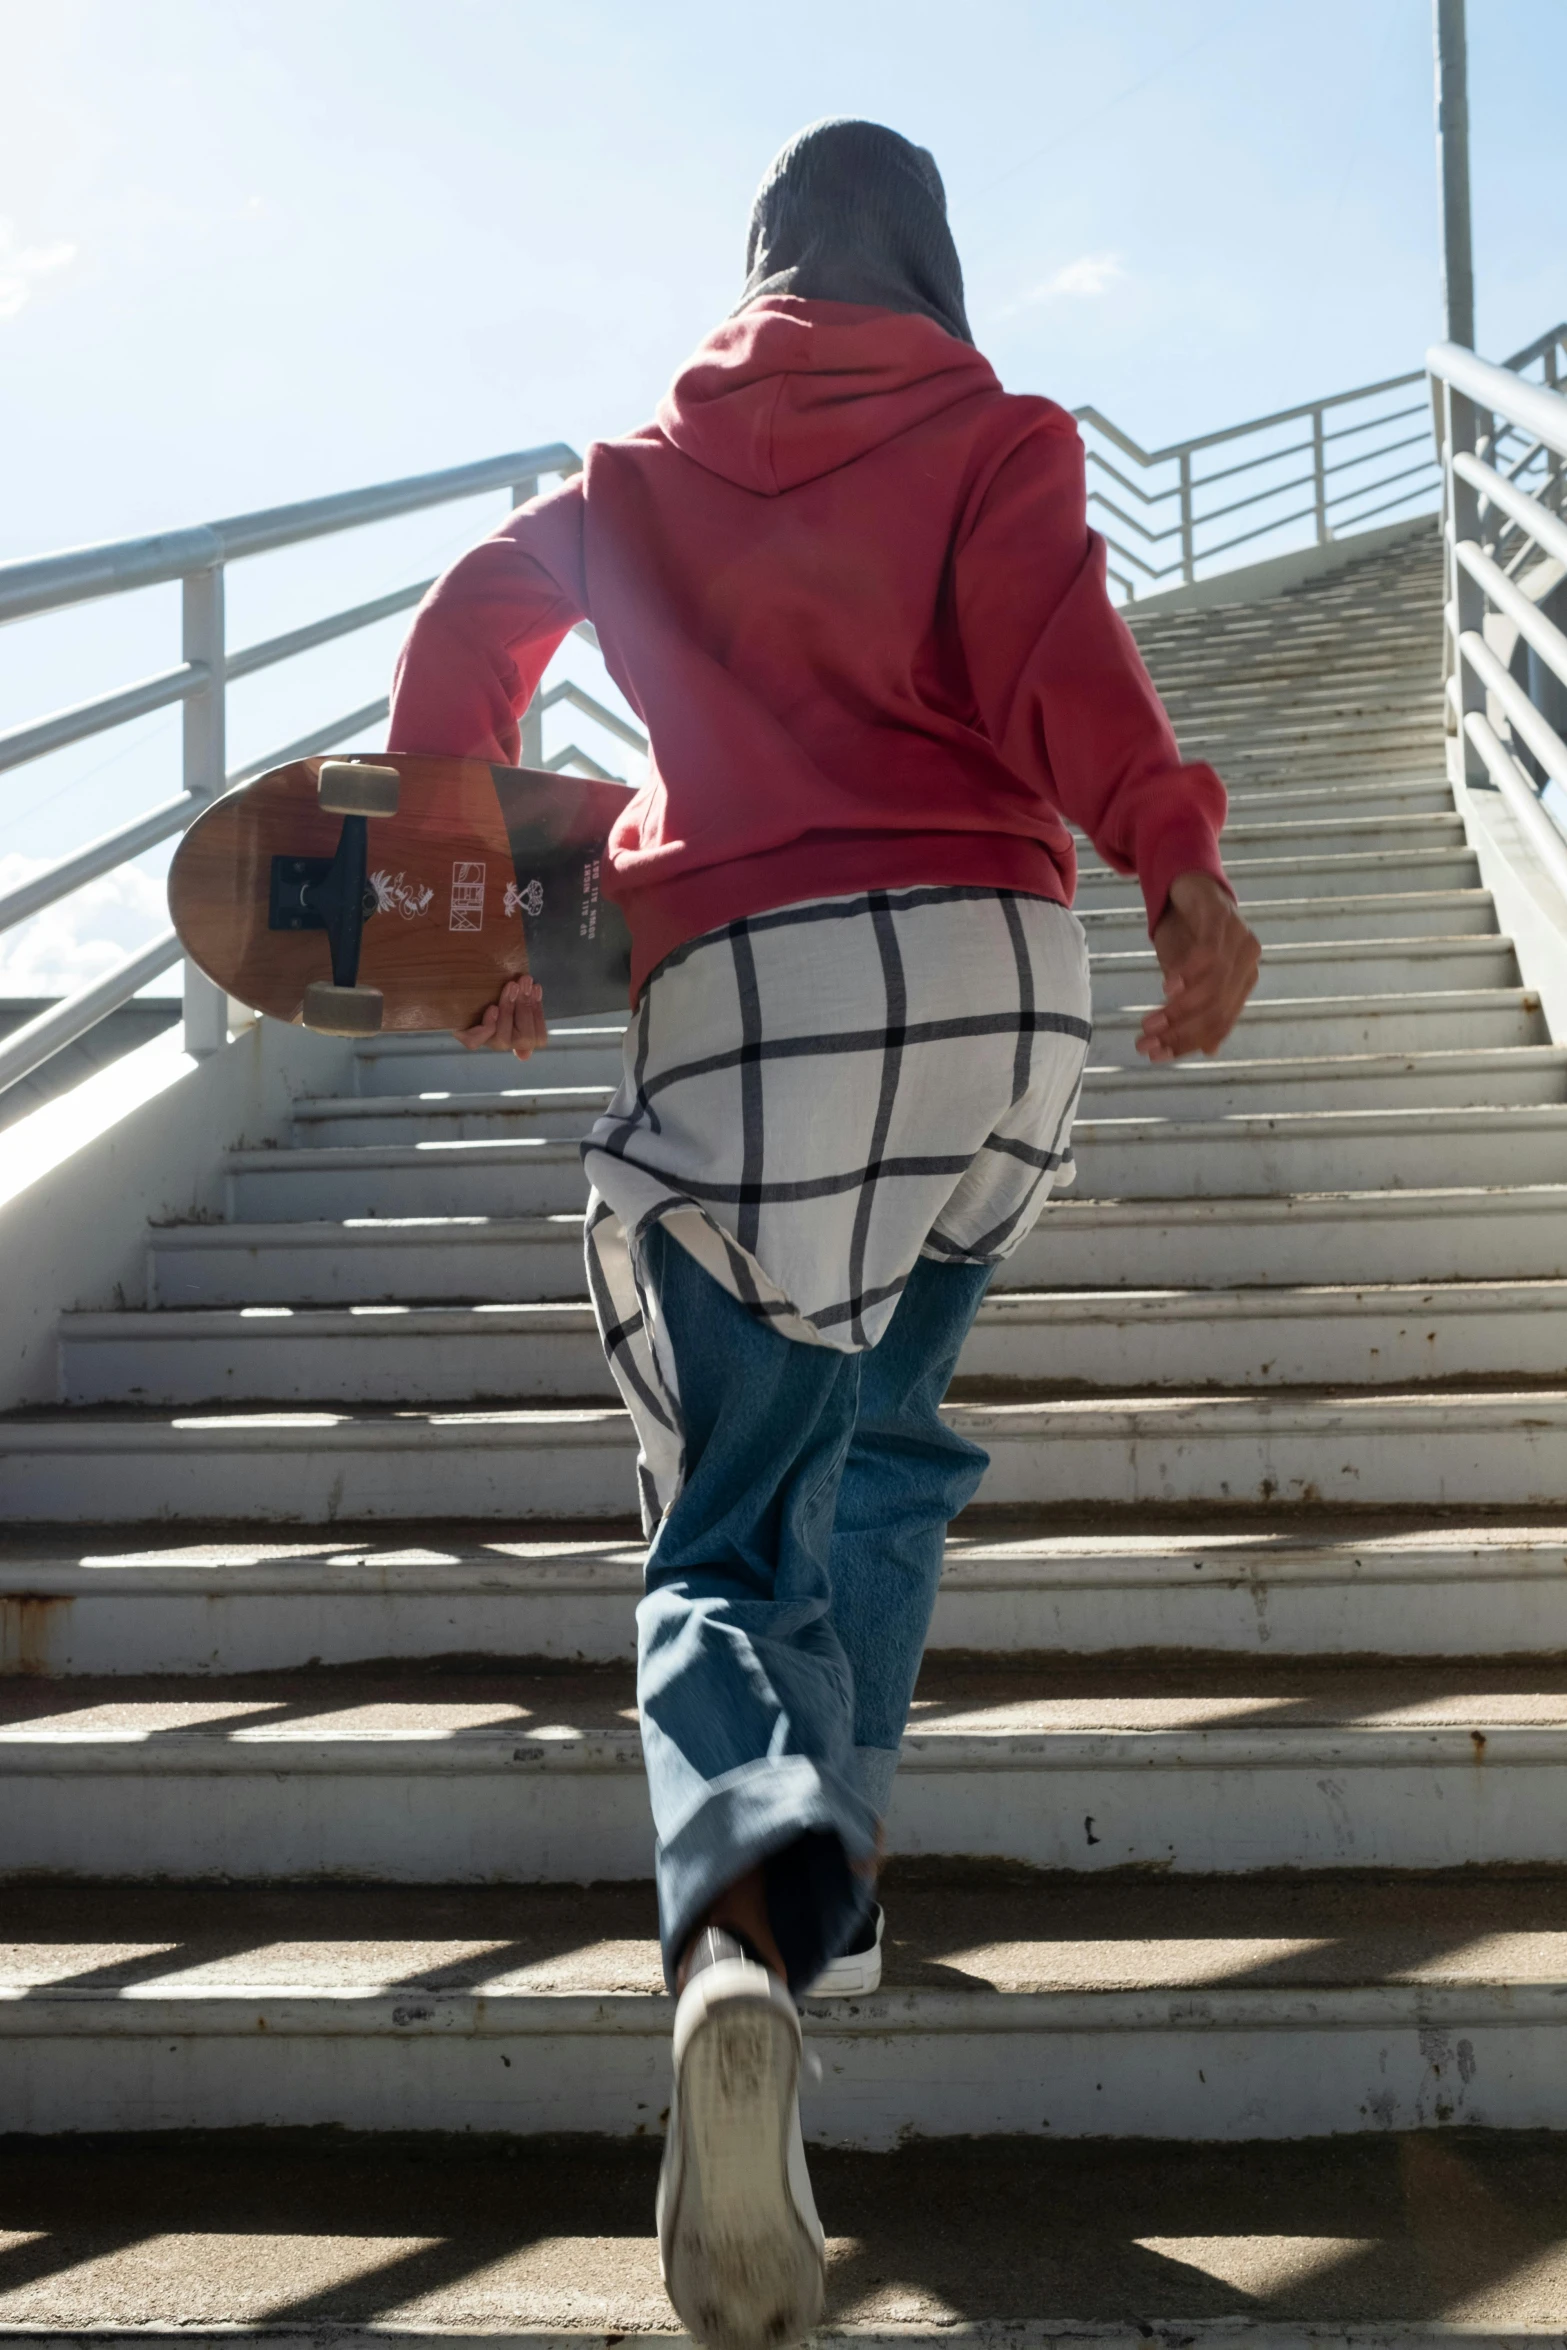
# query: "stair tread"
971,1930
537,1101
1479,1294
1125,1540
570,1715
1502,1398
358,1232
329,2230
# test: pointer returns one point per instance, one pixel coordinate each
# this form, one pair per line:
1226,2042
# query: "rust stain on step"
28,1622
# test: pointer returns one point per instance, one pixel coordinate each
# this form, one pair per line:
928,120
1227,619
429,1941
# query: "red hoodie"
848,584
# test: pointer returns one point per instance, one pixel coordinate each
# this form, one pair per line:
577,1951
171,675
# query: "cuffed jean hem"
805,1826
875,1767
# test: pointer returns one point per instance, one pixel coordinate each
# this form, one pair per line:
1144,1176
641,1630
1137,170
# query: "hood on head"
851,212
786,390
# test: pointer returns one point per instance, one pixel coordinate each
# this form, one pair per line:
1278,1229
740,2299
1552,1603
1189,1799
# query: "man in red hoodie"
849,585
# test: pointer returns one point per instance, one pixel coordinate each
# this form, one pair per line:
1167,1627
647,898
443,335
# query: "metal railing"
198,558
1503,441
1314,465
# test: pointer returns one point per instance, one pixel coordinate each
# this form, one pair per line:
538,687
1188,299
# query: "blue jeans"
788,1594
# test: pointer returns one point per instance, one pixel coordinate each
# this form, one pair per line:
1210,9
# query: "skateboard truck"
331,894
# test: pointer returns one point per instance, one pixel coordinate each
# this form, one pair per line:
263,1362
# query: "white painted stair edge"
1221,2063
207,1609
563,1804
139,1142
1215,2333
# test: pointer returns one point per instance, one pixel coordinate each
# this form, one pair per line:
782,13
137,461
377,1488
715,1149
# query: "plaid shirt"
812,1099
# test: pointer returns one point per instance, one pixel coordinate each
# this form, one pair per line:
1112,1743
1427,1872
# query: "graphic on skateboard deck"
386,891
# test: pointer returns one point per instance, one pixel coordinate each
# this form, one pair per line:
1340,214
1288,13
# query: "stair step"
1266,1152
1310,969
1117,1339
1040,1582
1122,975
1416,1079
1336,1237
1302,739
431,1178
1183,1766
1494,1447
1364,1236
1256,835
409,1065
1408,795
1326,875
1316,1150
1283,1026
1076,2233
1383,914
1012,2005
374,1260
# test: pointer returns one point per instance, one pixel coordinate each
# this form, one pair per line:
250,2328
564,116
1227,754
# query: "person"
849,585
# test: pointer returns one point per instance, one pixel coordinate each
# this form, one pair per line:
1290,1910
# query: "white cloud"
1080,280
21,266
82,936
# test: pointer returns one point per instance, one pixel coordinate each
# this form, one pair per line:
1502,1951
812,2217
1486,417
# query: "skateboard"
394,892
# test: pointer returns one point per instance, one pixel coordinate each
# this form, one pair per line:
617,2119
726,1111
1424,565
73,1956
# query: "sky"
257,250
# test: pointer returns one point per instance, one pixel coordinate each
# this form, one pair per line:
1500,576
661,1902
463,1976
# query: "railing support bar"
531,725
1319,475
1464,592
201,616
1188,546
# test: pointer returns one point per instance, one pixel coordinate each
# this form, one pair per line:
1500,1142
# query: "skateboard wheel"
346,790
342,1011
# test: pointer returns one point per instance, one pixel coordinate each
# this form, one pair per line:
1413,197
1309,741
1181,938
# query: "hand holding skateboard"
513,1025
399,892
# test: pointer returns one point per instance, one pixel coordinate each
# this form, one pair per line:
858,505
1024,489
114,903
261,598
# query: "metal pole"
1319,475
206,1005
1188,552
531,752
1452,148
1465,596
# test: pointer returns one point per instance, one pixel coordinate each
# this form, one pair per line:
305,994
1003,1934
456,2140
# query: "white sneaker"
856,1970
739,2242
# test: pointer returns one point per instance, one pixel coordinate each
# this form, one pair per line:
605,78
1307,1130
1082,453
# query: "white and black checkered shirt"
815,1097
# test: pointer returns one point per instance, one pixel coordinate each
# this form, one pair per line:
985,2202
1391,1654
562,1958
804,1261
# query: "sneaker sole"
740,2265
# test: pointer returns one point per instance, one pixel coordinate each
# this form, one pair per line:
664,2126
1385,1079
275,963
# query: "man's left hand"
1210,960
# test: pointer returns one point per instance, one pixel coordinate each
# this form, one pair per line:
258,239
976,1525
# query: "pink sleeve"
1060,683
483,636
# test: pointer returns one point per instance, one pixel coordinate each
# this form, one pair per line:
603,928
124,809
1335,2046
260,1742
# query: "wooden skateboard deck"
479,875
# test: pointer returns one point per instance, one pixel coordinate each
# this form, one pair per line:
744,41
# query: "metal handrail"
28,1047
1494,407
1230,432
1532,407
44,583
1329,462
1502,730
197,558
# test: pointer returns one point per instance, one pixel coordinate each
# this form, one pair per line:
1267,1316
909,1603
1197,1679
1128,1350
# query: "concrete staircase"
1231,1805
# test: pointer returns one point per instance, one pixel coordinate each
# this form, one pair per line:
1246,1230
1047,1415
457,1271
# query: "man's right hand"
514,1023
1209,959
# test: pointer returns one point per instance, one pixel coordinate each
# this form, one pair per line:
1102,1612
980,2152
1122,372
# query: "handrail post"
531,725
201,592
1188,554
1465,596
1452,152
1319,474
